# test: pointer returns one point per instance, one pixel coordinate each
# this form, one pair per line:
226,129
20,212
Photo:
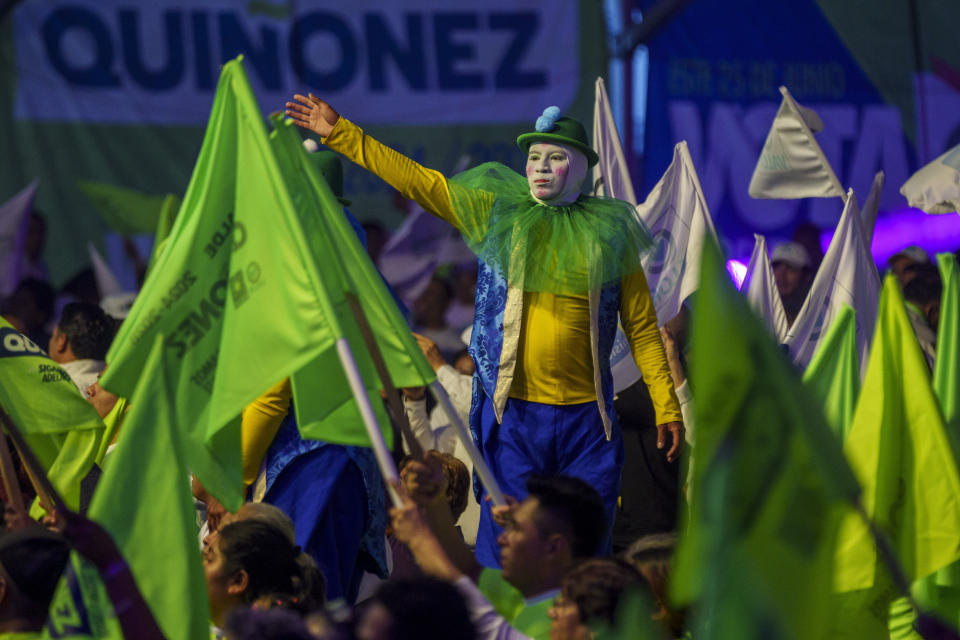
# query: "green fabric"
80,607
631,622
757,550
59,425
562,250
833,374
125,210
900,451
504,597
20,635
250,290
534,620
168,213
112,421
144,501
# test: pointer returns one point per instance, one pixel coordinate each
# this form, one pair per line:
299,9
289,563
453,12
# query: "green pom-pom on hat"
557,130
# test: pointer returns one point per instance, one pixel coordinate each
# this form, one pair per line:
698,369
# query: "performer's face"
547,169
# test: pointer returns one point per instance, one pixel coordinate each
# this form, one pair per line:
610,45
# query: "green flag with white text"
248,292
833,374
60,426
756,555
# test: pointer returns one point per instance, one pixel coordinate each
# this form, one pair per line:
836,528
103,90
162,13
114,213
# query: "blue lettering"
524,27
411,61
450,52
323,22
201,49
266,59
99,73
165,77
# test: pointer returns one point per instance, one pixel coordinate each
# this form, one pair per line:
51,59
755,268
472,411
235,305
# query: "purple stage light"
908,226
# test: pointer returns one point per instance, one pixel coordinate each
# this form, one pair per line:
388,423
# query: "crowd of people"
594,497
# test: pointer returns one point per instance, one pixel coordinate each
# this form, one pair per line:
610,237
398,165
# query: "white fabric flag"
14,218
868,215
936,187
676,214
107,283
792,164
847,275
761,290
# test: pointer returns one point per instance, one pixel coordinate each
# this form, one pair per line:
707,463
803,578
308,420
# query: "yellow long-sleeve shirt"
554,359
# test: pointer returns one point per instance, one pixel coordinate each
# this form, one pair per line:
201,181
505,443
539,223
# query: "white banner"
936,187
792,164
848,275
431,61
761,290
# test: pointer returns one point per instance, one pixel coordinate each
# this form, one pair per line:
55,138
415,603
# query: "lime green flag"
125,210
899,448
168,213
833,374
61,427
249,291
80,608
757,553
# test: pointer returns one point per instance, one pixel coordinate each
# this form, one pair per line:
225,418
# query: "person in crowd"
460,312
793,273
549,291
80,342
421,608
248,559
269,623
32,560
561,521
652,556
899,262
429,316
29,308
921,294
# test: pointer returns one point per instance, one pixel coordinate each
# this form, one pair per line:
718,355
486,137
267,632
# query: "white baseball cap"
793,254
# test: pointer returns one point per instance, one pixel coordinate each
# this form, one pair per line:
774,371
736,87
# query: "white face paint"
547,169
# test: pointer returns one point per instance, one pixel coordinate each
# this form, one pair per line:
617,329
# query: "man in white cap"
793,275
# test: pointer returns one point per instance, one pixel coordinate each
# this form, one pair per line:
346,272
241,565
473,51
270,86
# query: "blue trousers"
539,438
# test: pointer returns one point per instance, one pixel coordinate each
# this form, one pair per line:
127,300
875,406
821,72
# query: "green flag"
899,448
59,425
248,292
168,213
756,555
833,374
126,211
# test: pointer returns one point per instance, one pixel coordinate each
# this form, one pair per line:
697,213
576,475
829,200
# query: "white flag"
107,283
792,164
847,275
936,187
868,215
611,176
14,218
676,215
761,290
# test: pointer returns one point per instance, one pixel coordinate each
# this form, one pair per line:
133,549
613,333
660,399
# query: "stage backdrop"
886,85
118,92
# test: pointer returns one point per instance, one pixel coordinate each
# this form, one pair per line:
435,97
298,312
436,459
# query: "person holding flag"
556,270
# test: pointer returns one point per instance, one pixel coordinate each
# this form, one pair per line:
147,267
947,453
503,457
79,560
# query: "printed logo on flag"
773,157
13,343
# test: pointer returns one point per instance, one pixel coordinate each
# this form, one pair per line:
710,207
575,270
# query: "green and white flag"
251,289
58,423
834,373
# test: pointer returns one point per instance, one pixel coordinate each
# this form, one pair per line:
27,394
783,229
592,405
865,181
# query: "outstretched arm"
426,186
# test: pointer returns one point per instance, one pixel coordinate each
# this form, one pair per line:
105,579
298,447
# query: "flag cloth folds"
792,164
611,176
899,448
868,215
14,218
847,275
107,282
770,481
760,287
250,290
58,423
126,211
834,373
935,188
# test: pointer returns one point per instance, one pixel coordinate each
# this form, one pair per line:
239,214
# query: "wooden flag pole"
393,394
9,476
48,496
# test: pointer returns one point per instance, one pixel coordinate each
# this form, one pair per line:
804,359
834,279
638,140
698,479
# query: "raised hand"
310,112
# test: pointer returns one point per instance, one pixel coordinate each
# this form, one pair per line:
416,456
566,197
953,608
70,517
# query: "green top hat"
552,128
328,163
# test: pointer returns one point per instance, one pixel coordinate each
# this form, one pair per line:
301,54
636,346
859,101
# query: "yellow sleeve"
413,180
639,320
259,424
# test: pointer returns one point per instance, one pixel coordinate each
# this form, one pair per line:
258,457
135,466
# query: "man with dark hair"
31,563
921,293
80,342
562,520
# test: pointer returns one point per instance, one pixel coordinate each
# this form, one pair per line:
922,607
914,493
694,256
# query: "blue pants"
539,438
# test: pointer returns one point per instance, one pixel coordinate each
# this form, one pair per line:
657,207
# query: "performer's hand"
310,112
407,521
503,515
424,480
676,428
430,350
